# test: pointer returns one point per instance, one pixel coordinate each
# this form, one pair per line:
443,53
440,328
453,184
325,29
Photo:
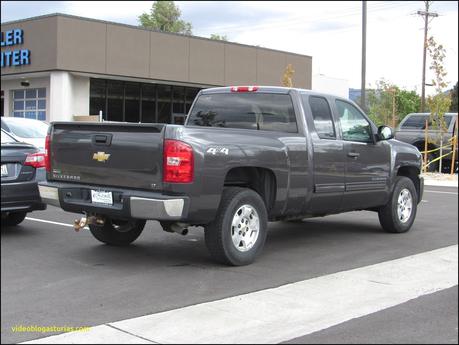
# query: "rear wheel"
238,233
13,218
432,167
118,232
399,213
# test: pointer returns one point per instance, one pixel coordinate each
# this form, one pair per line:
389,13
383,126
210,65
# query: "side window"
322,116
353,124
416,122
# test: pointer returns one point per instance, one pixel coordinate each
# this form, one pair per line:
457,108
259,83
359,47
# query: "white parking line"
289,311
437,191
51,222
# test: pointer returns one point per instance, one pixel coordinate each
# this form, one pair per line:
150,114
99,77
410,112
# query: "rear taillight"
244,88
178,162
48,153
36,160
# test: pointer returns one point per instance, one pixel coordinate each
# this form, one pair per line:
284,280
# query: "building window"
132,102
115,102
191,93
178,105
97,98
30,103
2,109
140,102
148,103
164,103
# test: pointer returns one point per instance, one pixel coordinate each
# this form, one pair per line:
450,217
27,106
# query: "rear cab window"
415,122
251,110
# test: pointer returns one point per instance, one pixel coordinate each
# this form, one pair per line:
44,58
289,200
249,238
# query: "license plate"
4,170
101,197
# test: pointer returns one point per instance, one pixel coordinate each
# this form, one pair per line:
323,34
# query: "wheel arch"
413,174
261,180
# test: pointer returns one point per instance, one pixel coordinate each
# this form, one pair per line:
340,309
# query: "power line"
292,21
426,14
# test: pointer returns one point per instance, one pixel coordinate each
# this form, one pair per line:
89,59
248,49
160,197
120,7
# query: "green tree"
407,102
165,16
440,102
388,104
380,102
218,37
454,99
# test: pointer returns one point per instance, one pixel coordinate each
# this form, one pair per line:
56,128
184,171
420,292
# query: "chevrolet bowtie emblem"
101,156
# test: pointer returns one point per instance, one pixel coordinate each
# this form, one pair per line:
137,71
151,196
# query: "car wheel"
13,218
433,166
118,232
399,213
238,233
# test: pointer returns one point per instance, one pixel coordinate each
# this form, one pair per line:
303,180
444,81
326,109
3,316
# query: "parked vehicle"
245,156
22,167
412,131
26,130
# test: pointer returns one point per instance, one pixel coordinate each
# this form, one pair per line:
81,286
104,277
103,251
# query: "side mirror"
385,133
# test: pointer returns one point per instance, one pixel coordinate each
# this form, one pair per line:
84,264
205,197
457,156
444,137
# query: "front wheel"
399,213
238,233
118,232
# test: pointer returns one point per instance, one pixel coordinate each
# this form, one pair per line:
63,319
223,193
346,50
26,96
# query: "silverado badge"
101,156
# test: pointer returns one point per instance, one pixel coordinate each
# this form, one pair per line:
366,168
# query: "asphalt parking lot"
51,275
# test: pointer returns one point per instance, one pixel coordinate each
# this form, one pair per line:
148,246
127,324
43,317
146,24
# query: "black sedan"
22,167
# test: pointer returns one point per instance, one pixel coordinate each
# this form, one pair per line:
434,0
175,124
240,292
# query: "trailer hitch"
78,224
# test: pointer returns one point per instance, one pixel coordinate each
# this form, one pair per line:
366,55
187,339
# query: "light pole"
364,49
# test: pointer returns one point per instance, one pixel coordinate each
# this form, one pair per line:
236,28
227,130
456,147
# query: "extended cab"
245,156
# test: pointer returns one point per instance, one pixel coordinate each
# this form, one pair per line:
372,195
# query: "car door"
328,156
367,165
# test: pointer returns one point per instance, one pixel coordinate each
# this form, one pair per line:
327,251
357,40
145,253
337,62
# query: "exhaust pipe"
78,224
178,228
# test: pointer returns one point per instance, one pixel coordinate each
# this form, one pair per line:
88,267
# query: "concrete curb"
440,183
440,180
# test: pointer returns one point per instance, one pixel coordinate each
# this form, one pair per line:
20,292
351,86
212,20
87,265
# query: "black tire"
13,218
218,234
433,167
118,232
389,215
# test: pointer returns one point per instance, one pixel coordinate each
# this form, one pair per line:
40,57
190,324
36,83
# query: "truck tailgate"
108,154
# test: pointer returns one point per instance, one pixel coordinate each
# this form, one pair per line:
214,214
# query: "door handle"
353,154
102,139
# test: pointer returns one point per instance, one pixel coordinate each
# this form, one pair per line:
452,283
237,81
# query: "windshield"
419,121
7,139
28,129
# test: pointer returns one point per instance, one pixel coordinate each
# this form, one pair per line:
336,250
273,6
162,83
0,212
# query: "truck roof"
268,89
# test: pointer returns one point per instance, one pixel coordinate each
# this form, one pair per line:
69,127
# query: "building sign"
14,57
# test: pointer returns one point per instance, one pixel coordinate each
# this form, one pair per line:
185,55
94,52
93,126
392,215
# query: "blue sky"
328,31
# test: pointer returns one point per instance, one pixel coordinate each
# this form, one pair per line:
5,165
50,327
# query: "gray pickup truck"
412,131
245,156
